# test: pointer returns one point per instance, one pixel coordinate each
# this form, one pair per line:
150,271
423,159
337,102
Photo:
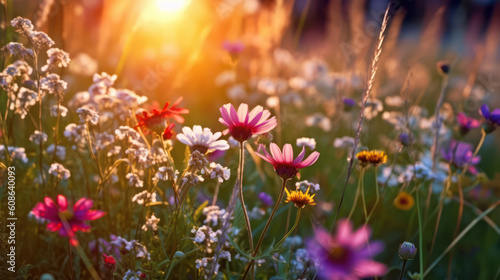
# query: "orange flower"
299,198
371,157
404,201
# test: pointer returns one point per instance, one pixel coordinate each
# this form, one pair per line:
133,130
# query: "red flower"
168,133
58,214
143,275
285,166
109,263
156,121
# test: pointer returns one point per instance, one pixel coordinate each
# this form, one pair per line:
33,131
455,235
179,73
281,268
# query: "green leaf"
199,210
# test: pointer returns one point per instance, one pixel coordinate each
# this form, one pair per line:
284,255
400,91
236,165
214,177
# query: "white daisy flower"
202,139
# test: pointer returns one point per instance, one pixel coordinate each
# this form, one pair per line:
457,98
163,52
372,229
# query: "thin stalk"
71,261
216,193
276,206
290,231
361,178
242,199
402,270
302,21
440,211
56,129
356,196
377,198
420,235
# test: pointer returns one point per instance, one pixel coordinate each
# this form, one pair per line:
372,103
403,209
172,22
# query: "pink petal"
288,153
310,160
62,201
344,232
360,236
299,157
255,114
54,226
234,115
49,202
368,268
267,157
93,215
255,120
83,204
224,111
275,151
243,113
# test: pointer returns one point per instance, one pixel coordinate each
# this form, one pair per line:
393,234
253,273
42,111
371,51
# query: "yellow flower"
404,201
373,157
299,198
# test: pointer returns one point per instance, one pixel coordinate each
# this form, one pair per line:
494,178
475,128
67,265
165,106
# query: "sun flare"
172,6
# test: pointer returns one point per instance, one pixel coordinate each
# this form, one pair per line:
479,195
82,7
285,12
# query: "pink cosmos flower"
242,124
347,255
283,163
75,217
466,123
233,48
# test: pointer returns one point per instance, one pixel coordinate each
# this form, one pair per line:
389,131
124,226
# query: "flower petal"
310,160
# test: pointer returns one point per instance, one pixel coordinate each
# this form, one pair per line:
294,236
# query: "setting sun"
172,6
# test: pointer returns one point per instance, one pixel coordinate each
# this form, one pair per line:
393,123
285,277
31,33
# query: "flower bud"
179,255
404,138
443,67
109,263
407,251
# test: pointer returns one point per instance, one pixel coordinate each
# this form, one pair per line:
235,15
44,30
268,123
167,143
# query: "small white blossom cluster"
56,58
304,185
151,223
132,275
134,180
60,152
103,140
220,172
58,110
15,153
302,262
25,99
213,214
87,115
19,49
38,137
59,171
52,84
143,197
76,133
124,245
256,213
191,178
167,173
39,39
306,142
198,161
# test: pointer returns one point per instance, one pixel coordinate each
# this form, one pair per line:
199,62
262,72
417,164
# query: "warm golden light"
172,6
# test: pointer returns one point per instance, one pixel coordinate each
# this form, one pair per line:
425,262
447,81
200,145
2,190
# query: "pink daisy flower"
75,217
283,163
347,255
242,124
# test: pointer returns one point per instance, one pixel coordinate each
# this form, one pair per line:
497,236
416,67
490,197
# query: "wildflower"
407,251
87,114
105,78
134,180
167,173
443,67
349,104
304,185
144,196
125,132
168,133
320,121
220,172
347,254
151,223
345,142
297,83
213,213
233,48
75,133
404,201
22,25
15,153
394,101
191,178
492,119
373,107
202,140
284,164
156,121
371,157
60,152
109,263
57,110
404,138
226,77
306,142
59,171
299,198
266,199
25,99
40,40
237,92
242,124
130,98
459,154
466,123
56,58
52,84
19,49
38,137
198,161
65,220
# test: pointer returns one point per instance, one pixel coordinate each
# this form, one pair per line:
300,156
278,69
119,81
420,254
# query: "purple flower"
404,138
348,103
266,199
492,118
459,154
347,254
466,123
233,48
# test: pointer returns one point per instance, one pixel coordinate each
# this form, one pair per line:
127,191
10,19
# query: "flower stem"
377,198
290,231
242,199
420,235
403,270
275,209
357,195
361,178
71,261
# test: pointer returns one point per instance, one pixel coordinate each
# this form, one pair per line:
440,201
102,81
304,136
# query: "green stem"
361,178
402,270
420,235
377,199
290,231
242,199
357,195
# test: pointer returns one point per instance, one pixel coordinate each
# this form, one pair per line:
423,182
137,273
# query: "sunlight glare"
172,6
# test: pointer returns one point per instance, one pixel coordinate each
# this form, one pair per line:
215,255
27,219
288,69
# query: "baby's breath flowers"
404,201
299,198
371,157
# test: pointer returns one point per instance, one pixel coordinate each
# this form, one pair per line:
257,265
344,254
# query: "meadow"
249,139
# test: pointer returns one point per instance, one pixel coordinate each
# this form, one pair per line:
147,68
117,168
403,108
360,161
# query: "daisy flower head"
67,220
404,201
371,157
299,198
243,124
347,254
284,164
156,120
202,139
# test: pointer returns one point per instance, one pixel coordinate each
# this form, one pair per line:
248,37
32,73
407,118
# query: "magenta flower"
233,48
75,217
242,124
492,118
460,155
466,123
283,163
347,255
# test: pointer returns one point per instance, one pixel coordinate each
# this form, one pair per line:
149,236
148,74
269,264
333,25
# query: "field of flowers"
233,140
